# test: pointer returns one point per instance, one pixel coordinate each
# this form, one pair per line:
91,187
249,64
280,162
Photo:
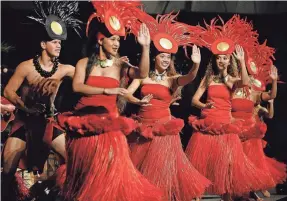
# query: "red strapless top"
160,101
156,120
242,109
107,101
94,123
216,121
220,95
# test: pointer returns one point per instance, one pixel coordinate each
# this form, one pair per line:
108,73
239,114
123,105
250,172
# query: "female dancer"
244,101
215,149
98,162
276,169
157,150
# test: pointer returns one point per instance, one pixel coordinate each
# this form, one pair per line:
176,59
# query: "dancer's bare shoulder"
25,67
83,62
67,70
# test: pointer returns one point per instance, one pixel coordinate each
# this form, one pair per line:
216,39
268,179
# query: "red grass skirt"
99,166
221,159
275,170
163,162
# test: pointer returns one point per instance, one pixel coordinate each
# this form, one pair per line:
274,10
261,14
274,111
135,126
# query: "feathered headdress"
259,62
168,34
222,39
55,16
116,15
5,47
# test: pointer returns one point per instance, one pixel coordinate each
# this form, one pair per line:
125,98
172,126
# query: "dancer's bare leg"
58,145
13,150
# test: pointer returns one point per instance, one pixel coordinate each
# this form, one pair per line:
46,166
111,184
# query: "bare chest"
33,77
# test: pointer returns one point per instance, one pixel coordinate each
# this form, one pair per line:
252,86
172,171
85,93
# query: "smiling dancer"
215,148
245,102
157,151
98,162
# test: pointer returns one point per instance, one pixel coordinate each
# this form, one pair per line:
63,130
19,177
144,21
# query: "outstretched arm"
196,58
132,99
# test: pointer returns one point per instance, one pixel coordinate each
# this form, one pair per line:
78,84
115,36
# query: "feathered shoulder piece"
221,39
166,33
116,15
56,16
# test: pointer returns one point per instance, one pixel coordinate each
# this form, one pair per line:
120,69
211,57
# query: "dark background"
22,33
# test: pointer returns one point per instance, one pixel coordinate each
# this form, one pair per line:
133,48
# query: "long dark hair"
212,69
92,47
92,50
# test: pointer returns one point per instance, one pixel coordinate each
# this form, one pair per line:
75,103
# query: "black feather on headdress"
5,47
61,12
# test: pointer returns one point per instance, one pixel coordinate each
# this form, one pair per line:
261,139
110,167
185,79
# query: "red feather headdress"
222,39
116,15
168,34
259,62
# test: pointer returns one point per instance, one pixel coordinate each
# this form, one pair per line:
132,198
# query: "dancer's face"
111,45
222,61
162,61
52,47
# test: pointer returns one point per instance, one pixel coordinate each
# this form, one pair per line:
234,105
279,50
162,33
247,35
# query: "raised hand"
239,53
273,73
143,35
195,57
